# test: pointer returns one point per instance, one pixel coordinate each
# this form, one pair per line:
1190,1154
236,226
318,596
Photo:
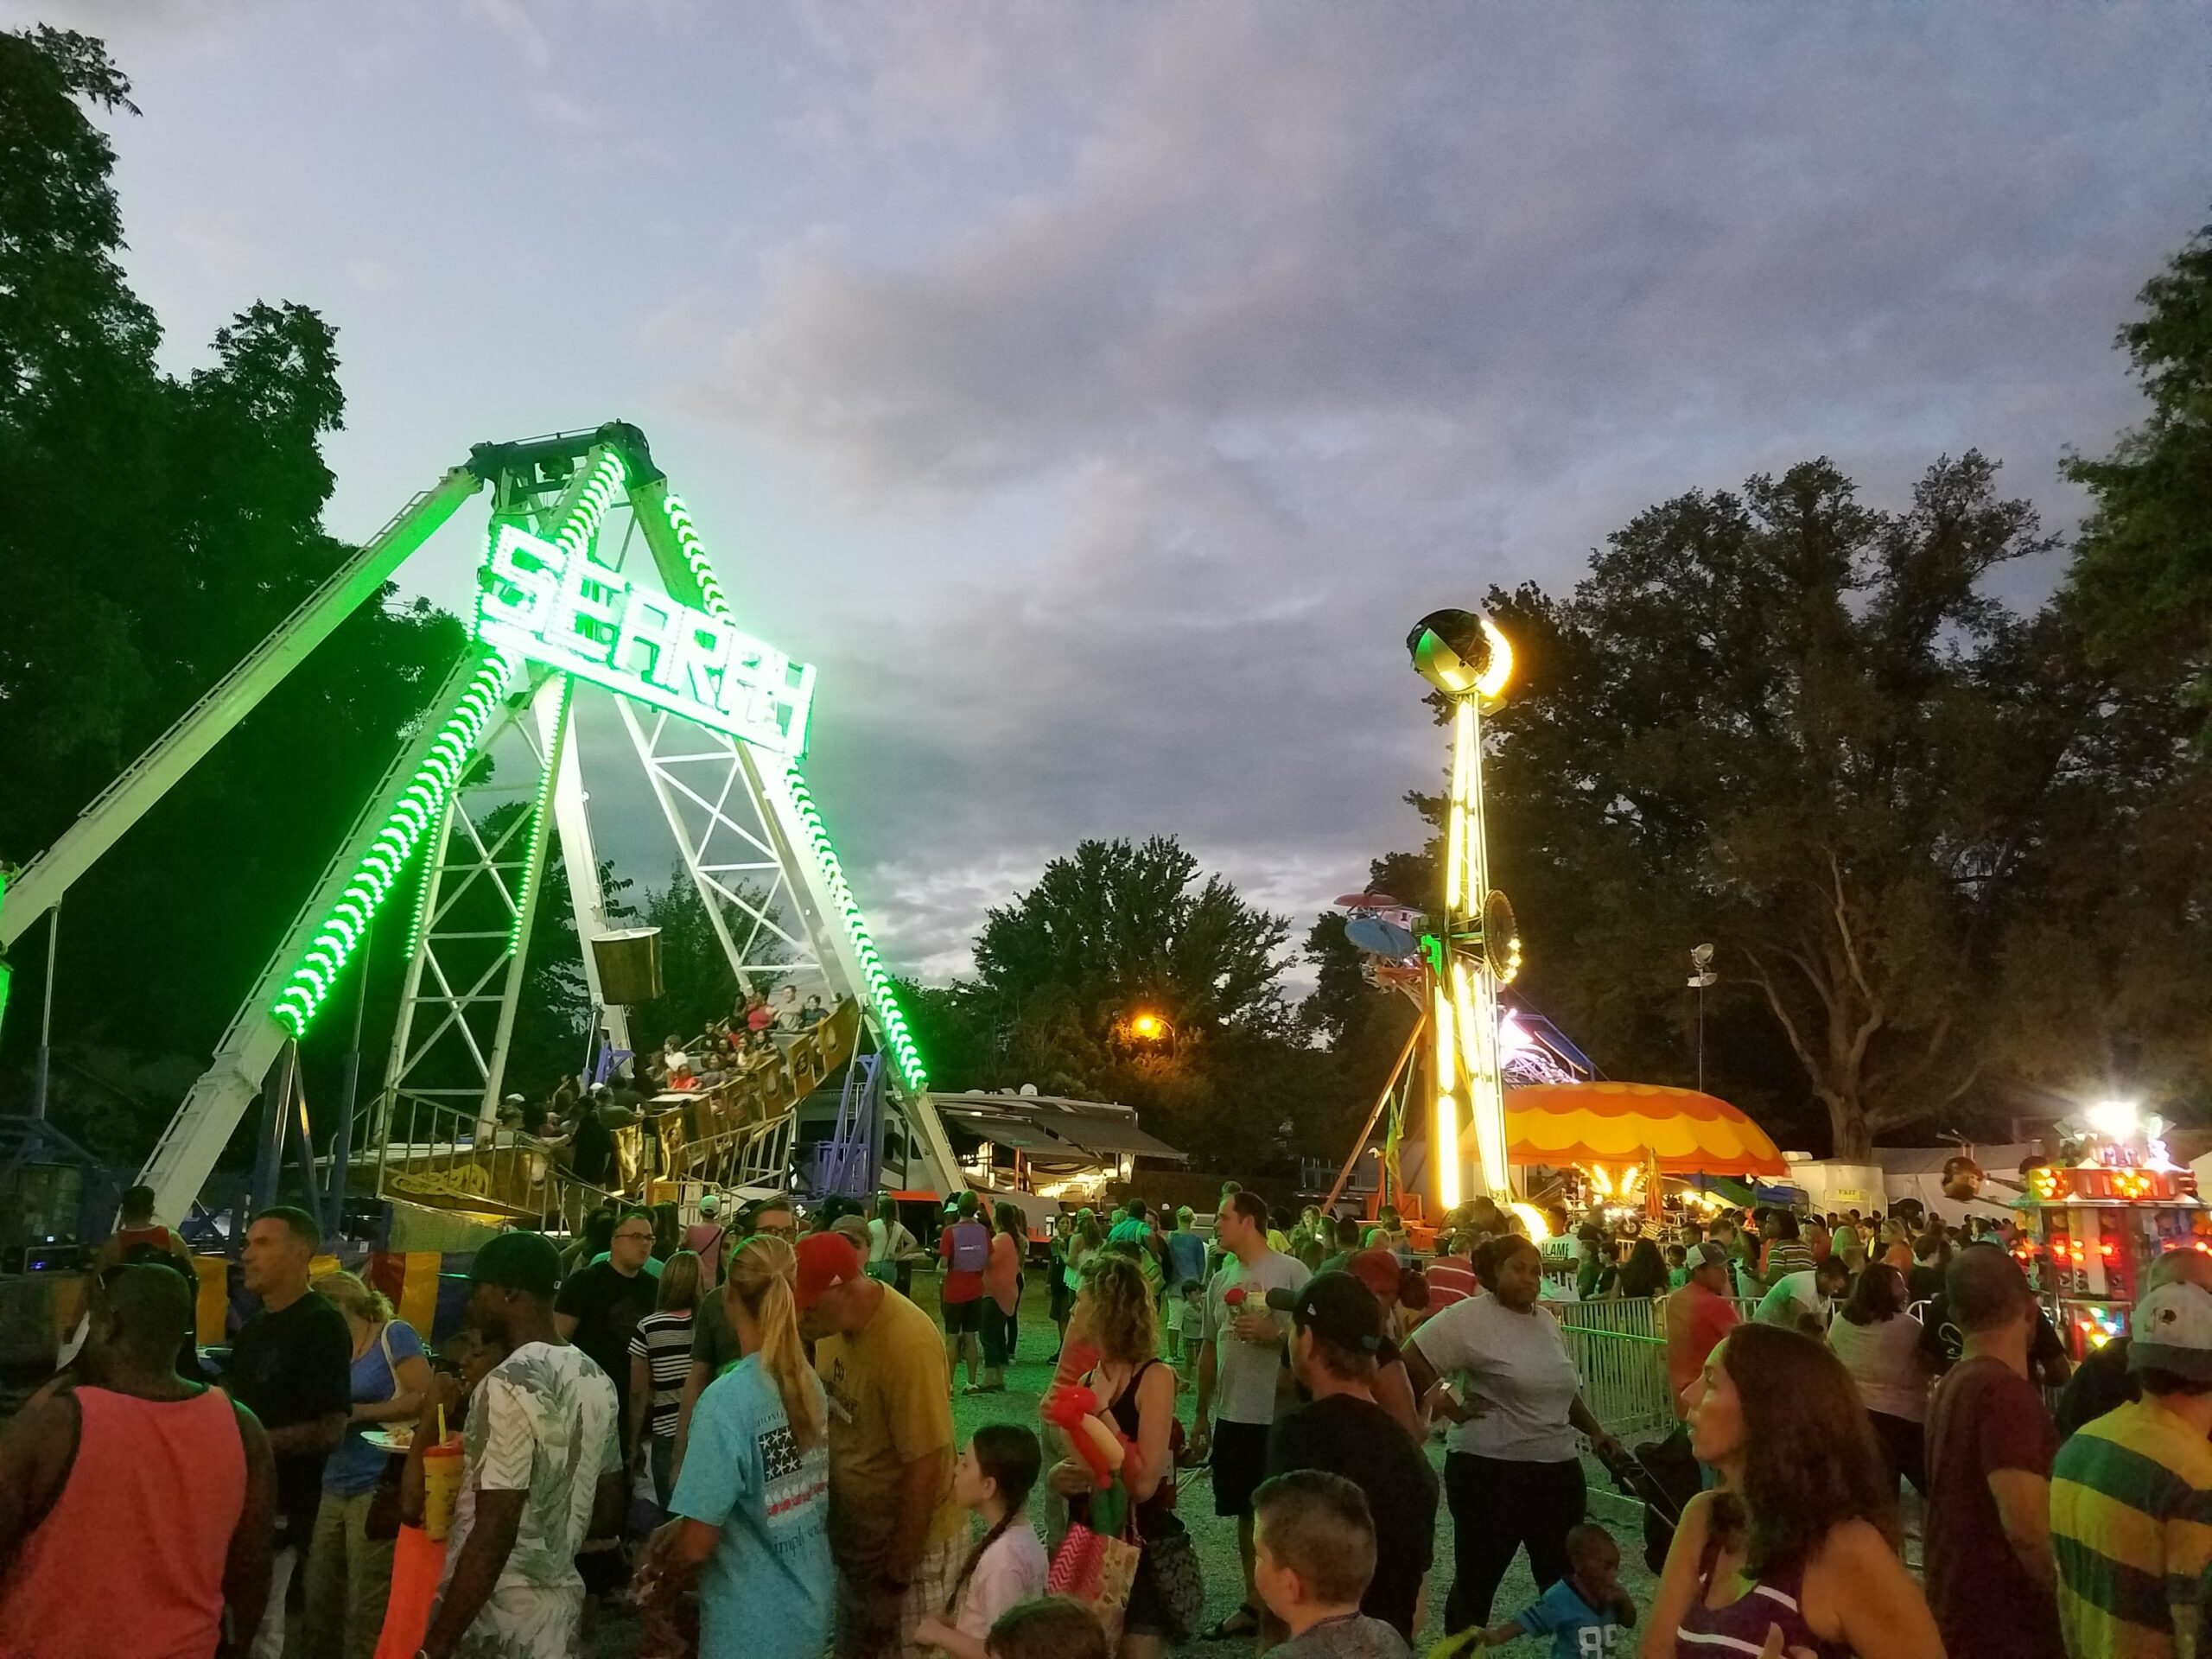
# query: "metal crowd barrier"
1619,1351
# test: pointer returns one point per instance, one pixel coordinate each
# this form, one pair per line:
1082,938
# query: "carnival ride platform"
735,1132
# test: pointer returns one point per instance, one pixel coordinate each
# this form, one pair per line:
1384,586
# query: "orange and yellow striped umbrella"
1557,1124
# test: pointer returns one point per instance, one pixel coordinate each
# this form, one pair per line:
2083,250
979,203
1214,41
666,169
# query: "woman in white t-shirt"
1512,1472
1879,1345
992,1479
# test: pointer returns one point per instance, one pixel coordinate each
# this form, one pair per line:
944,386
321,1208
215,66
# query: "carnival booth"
2094,1219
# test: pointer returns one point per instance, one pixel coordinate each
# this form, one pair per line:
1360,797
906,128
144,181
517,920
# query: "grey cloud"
1326,315
1531,232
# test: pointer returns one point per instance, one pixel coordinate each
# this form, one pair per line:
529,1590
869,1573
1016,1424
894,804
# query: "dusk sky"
1098,392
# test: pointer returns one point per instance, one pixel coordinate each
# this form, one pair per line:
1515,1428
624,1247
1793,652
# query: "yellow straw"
441,1422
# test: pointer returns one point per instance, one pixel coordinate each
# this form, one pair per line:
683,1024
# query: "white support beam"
795,848
579,857
195,1137
122,803
550,711
686,846
442,995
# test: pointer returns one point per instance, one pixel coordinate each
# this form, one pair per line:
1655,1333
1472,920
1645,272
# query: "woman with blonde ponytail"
751,1504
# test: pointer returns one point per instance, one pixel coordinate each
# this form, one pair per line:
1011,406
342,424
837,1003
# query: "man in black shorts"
1243,1374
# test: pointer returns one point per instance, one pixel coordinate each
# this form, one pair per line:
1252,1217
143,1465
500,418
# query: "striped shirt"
1785,1256
1450,1278
2130,1524
663,1342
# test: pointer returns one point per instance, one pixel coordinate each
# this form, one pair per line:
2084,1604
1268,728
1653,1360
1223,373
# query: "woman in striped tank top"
1795,1556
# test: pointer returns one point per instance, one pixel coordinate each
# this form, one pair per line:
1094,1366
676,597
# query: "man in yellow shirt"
2131,1495
895,1533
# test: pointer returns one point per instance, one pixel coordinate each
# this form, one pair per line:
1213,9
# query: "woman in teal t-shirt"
752,1505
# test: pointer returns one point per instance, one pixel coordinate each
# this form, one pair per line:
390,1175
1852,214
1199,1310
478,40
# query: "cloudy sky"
1097,392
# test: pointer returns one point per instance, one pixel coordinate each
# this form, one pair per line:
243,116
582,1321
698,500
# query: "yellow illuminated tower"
1477,947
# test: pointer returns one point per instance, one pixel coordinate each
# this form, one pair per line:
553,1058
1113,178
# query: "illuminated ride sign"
2102,1184
563,609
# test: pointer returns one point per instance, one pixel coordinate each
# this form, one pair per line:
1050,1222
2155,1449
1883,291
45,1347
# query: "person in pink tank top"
134,1509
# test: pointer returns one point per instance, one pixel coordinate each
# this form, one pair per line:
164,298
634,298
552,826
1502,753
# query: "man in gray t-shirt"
1242,1361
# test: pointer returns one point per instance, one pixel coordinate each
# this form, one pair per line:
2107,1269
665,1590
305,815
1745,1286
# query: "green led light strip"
695,554
422,904
904,1054
420,805
543,806
6,973
607,478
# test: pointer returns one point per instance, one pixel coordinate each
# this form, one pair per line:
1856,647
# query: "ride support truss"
717,720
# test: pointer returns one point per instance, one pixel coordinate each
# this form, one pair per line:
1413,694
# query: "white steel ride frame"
693,690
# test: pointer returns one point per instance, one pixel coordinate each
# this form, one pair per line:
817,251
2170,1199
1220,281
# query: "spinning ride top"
1477,947
2095,1219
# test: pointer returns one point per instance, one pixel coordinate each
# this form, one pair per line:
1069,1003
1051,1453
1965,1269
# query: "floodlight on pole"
1477,949
1701,978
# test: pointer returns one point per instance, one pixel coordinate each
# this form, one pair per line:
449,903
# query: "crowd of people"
742,1431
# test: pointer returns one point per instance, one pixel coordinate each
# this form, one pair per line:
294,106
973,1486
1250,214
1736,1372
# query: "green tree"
2142,576
1797,726
1116,928
1119,923
154,530
694,971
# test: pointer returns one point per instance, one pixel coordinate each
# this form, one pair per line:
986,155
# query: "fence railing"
1619,1351
439,1154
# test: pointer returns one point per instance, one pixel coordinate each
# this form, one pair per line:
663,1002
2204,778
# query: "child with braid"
993,1478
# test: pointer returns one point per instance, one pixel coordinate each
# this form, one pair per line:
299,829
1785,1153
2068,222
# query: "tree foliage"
1117,928
2142,579
154,531
1123,922
1952,868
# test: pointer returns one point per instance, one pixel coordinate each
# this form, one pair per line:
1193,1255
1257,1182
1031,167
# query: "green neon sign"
552,603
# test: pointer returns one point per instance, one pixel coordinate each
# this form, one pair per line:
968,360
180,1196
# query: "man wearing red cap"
895,1532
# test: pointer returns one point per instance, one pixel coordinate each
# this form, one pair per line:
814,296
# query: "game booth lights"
2094,1219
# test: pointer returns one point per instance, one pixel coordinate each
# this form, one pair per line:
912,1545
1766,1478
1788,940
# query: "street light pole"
1701,975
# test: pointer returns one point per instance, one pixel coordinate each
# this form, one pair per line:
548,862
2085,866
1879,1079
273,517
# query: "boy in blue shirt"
1587,1613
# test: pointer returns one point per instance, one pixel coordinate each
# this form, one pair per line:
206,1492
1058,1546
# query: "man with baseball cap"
2100,1381
895,1533
1698,1316
1390,1282
2131,1493
1337,1332
705,1238
541,1467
